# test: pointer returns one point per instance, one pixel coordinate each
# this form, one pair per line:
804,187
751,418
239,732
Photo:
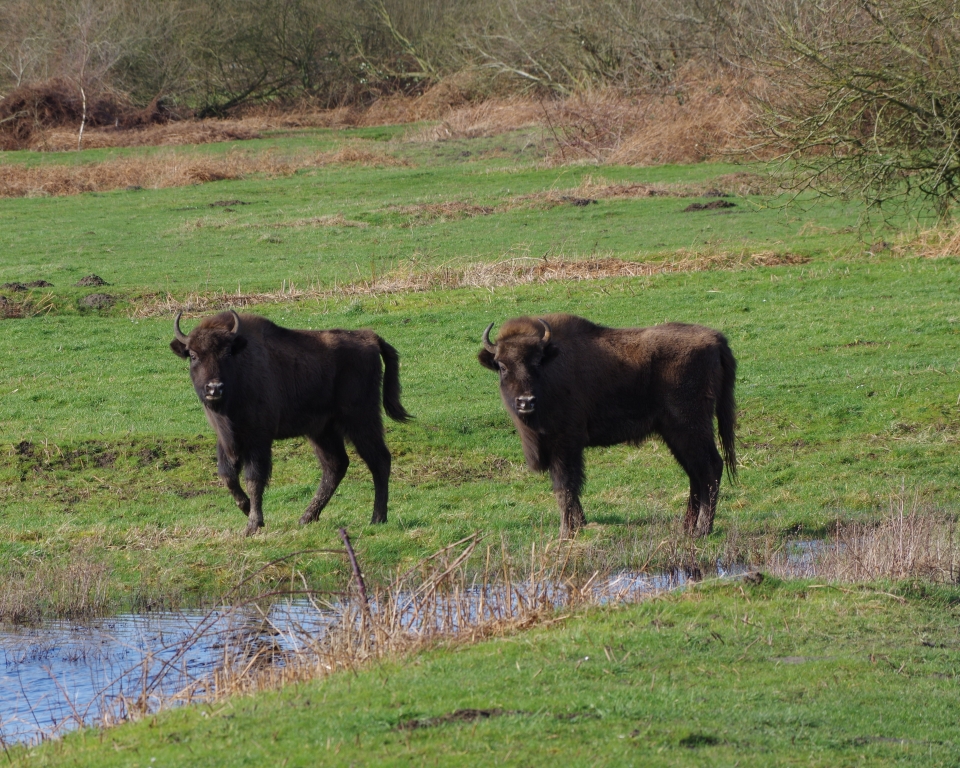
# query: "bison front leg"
229,470
256,470
566,472
328,446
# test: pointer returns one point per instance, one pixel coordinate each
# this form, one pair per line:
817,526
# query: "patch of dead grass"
508,272
590,191
170,169
167,134
704,115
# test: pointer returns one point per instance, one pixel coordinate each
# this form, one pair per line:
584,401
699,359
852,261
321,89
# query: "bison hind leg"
330,451
704,466
373,450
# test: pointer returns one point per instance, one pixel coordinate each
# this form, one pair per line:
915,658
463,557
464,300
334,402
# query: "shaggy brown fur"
259,382
569,384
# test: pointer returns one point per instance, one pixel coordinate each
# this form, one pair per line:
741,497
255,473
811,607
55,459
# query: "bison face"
520,358
211,350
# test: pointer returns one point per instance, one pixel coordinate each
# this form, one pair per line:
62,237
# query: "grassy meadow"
846,387
847,392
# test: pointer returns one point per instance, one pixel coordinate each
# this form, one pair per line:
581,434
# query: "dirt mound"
89,280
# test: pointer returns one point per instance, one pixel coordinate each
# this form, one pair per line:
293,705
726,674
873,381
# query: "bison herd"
566,382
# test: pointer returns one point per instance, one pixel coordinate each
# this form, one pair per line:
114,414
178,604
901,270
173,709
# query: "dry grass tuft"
509,272
169,169
937,243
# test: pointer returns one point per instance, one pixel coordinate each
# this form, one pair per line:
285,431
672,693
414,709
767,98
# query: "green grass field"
847,392
845,382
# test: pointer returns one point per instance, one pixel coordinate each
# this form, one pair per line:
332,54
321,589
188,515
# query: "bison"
569,383
259,382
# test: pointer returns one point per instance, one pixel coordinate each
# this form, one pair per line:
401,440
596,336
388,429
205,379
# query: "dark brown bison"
259,382
569,384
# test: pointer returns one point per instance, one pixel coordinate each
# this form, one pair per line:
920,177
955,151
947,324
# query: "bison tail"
391,383
727,411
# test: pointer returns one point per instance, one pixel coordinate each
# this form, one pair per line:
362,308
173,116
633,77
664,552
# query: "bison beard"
569,384
259,382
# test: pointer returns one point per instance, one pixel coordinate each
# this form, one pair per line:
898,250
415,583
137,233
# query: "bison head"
522,350
210,348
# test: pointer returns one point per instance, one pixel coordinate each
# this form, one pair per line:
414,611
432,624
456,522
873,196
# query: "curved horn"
486,341
236,322
546,331
176,329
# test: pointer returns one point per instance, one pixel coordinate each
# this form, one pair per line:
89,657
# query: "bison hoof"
308,518
252,528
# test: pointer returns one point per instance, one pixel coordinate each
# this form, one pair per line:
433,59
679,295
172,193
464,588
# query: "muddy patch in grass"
49,457
713,205
458,716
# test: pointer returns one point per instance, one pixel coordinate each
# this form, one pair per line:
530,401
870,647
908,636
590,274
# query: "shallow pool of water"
63,675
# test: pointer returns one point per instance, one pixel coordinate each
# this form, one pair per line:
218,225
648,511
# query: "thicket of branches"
867,99
213,55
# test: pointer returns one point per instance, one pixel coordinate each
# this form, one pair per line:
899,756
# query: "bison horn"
236,323
546,332
176,329
487,345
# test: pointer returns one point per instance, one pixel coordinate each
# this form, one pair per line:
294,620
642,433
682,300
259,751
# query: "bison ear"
238,345
486,360
549,352
179,348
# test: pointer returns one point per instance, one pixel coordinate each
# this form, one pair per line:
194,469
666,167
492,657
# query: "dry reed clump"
442,599
509,272
169,169
909,543
37,588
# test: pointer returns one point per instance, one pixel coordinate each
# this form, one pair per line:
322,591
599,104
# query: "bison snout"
213,391
526,403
